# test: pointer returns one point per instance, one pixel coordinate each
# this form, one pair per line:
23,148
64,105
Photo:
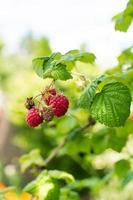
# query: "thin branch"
68,137
55,151
38,95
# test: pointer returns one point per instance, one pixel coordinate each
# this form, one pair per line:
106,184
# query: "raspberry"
59,104
34,118
47,114
48,94
29,103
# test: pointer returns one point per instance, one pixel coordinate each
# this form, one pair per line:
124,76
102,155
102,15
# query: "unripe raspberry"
47,114
29,103
59,104
34,117
48,94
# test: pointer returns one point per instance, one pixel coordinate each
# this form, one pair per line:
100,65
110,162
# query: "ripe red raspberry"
48,94
47,114
34,118
59,104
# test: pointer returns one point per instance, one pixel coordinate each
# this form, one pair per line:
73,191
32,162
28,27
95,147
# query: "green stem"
68,137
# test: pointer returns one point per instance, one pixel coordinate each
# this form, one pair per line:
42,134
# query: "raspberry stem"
68,137
51,84
37,96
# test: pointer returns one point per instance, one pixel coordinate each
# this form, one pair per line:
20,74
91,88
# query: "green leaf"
116,142
87,96
60,72
110,138
89,92
61,175
79,56
127,179
67,194
124,19
50,67
38,64
123,23
112,105
126,57
44,66
90,182
75,55
122,167
51,63
32,159
58,66
73,52
44,187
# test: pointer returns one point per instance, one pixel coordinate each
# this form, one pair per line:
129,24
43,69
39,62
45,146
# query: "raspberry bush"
81,116
106,98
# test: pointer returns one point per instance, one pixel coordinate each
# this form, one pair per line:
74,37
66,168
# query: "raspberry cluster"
52,103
